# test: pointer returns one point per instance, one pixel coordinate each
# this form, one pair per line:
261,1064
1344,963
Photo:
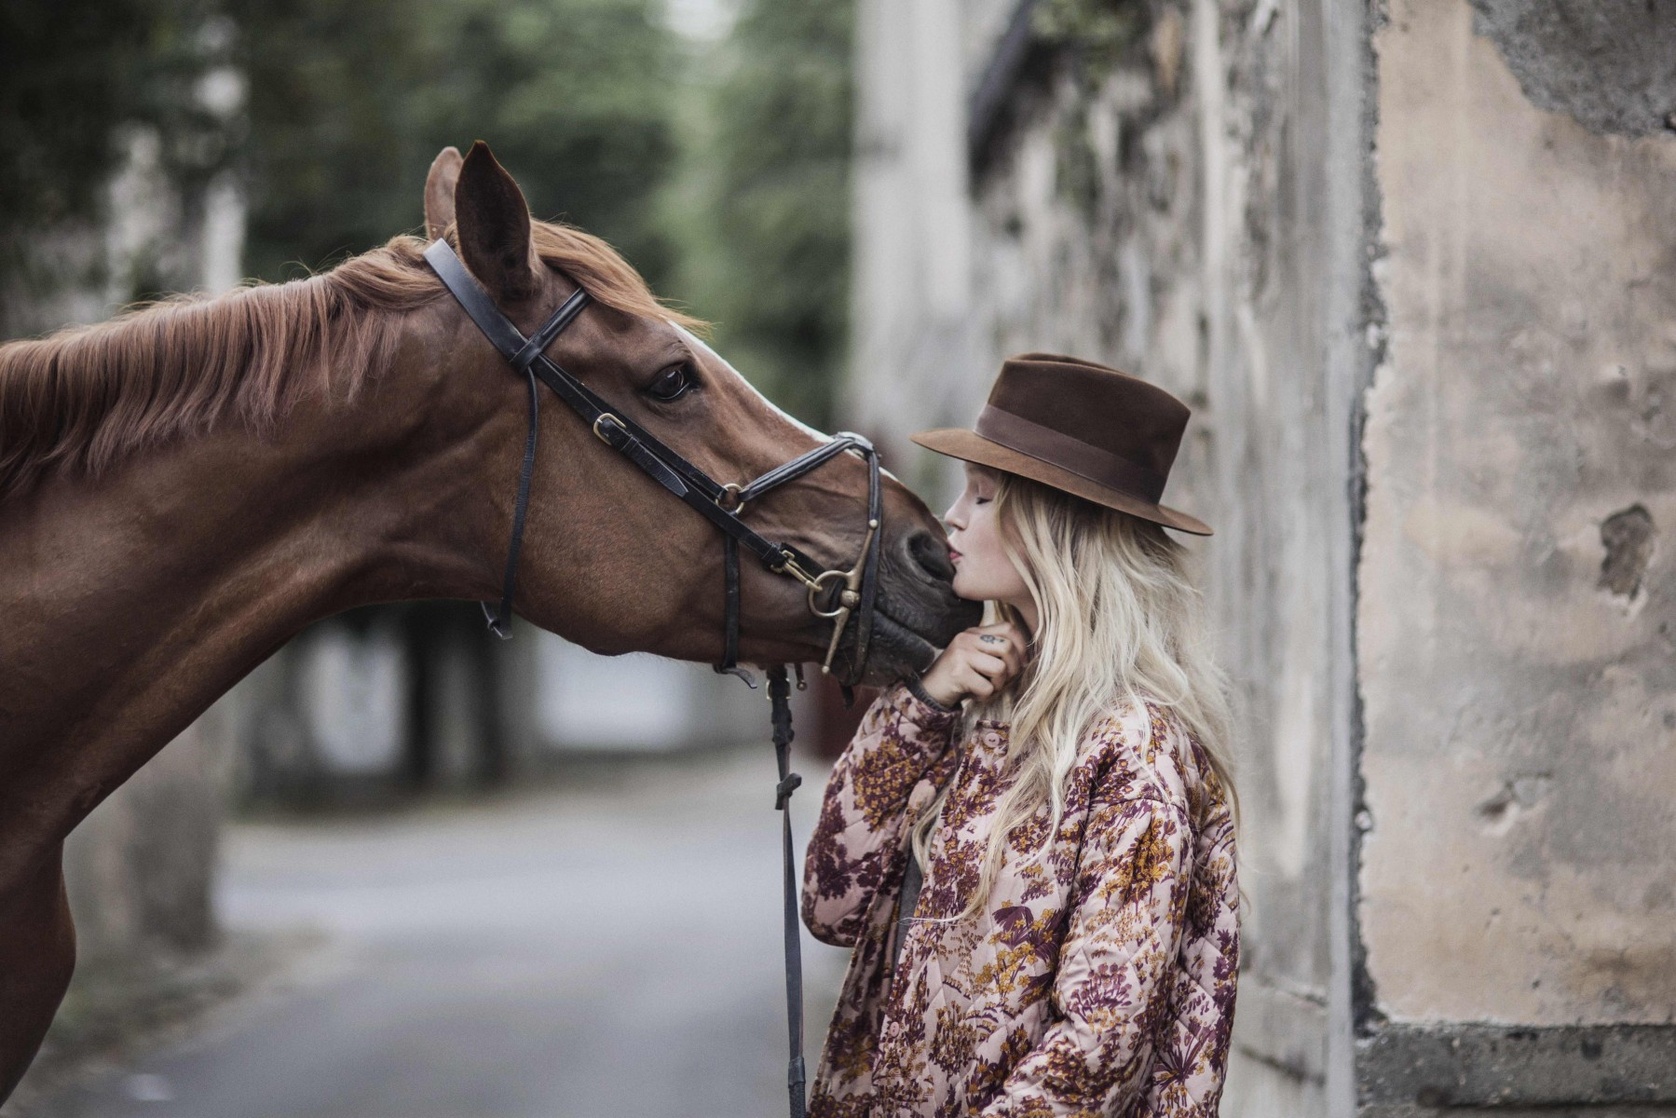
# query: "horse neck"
135,600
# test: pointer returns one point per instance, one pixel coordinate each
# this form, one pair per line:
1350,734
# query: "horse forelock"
85,398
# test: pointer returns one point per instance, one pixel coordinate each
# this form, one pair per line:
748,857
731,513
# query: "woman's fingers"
1004,640
983,675
978,661
1000,632
976,683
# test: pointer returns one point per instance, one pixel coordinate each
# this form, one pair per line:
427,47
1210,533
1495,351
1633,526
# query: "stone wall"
1421,304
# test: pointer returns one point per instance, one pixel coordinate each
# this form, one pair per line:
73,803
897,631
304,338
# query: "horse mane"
85,398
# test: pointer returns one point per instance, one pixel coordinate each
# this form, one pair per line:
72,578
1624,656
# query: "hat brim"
969,446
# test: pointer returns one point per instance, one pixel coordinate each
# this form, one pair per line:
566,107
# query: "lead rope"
779,694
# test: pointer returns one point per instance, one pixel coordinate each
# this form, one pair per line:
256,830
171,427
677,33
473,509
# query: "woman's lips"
954,556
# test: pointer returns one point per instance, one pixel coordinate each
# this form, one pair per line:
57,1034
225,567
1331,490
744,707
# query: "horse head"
611,560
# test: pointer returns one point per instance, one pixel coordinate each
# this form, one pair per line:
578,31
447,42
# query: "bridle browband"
835,594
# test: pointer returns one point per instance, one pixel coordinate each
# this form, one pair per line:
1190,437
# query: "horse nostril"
931,555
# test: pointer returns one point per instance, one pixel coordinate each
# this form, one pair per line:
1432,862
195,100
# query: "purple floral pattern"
1098,979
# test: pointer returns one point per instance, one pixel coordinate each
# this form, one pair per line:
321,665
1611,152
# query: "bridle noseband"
838,595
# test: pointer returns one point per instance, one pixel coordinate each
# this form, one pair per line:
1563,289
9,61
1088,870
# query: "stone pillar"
1516,629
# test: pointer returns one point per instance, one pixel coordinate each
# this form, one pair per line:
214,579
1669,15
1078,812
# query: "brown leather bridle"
838,595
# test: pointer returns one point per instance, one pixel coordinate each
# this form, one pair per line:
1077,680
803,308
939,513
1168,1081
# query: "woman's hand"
977,662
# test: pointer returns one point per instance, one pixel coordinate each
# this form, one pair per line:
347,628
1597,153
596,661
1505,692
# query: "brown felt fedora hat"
1103,435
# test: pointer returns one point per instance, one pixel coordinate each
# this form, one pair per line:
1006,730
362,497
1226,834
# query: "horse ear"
493,223
439,192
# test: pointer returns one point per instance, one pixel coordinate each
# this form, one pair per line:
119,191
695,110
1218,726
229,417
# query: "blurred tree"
62,83
71,77
764,208
350,102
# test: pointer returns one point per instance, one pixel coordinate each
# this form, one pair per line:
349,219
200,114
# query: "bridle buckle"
603,416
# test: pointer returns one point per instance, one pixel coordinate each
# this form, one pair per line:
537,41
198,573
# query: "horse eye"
672,383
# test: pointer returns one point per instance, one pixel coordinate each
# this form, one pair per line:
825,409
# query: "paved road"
611,949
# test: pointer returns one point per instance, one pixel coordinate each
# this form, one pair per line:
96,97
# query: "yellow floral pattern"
1098,979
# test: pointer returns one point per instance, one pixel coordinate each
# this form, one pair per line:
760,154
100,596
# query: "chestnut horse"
185,488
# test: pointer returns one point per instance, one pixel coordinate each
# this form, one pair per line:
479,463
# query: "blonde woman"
1031,847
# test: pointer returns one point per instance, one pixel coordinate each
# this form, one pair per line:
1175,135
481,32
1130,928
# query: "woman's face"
982,570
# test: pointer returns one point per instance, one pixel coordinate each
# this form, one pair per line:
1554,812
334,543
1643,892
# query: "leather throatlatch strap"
523,354
500,619
730,614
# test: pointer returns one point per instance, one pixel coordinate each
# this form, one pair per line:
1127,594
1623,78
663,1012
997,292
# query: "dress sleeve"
1115,963
863,818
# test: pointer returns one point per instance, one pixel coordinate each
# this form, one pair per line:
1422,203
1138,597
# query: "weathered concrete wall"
1194,212
911,267
1517,632
1610,64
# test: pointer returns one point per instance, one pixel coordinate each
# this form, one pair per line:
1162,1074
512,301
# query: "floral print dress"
1097,980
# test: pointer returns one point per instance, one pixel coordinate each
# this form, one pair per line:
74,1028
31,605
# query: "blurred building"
1412,264
389,700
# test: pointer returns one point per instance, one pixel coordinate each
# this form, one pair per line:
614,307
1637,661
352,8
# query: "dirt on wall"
1610,64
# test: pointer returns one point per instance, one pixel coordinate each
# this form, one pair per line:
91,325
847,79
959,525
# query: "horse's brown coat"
184,489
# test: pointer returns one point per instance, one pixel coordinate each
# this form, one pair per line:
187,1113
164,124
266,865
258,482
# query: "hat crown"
1109,410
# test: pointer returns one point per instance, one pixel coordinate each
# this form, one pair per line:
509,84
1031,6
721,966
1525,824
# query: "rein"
838,595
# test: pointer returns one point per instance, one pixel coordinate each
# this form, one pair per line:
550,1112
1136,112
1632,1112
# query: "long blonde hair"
1117,619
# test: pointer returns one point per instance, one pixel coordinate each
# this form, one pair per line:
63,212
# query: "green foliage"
69,75
1076,166
1100,31
350,102
721,172
766,219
